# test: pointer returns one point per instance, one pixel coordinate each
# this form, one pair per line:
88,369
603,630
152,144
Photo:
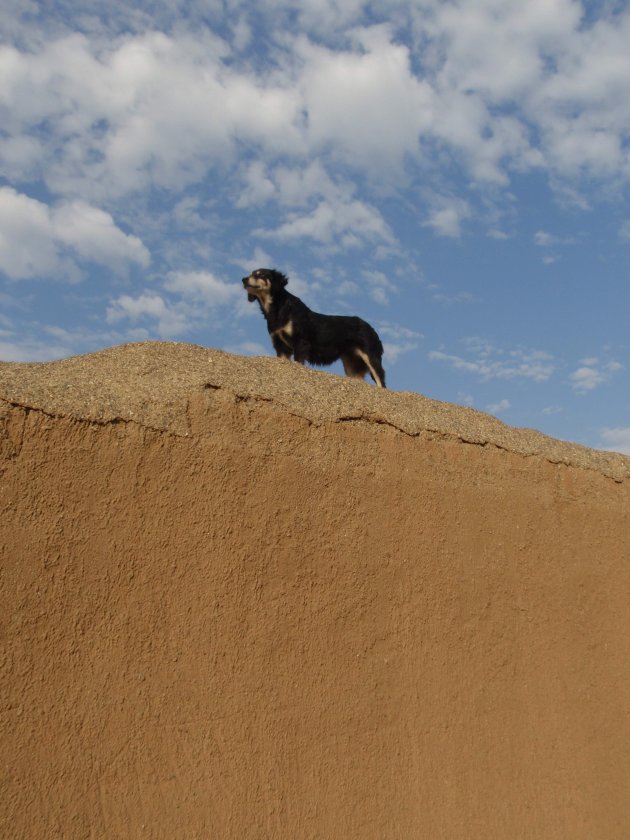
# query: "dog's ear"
282,279
251,297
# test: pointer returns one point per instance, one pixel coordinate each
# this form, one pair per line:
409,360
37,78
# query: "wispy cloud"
398,340
544,239
551,243
499,407
624,230
31,350
489,362
36,342
456,297
380,286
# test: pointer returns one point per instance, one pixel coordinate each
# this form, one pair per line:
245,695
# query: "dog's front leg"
283,351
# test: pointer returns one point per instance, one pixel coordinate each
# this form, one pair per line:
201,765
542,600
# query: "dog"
296,331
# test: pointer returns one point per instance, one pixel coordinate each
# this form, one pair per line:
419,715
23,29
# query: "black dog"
297,331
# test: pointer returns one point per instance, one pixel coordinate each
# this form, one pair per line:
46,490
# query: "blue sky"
456,173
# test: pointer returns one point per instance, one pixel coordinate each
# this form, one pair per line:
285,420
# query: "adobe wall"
240,599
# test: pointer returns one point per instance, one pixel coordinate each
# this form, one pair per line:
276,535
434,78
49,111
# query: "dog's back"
340,334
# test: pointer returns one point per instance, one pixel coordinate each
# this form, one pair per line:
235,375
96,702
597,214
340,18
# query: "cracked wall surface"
240,599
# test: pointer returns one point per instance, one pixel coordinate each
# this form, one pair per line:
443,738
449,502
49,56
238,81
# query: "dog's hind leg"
301,350
353,367
374,366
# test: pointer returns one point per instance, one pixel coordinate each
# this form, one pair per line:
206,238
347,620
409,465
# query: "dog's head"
262,283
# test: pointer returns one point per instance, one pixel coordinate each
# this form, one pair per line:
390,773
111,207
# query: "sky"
454,172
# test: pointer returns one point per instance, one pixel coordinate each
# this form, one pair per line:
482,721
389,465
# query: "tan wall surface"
239,599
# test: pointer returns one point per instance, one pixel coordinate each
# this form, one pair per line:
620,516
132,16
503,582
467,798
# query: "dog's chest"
283,332
280,322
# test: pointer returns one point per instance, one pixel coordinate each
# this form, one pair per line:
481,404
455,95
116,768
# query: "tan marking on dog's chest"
265,302
284,332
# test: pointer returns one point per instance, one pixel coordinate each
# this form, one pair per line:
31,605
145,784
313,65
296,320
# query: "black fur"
296,331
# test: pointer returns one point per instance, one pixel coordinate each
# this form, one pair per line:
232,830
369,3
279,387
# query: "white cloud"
169,320
318,208
447,215
94,236
27,242
354,98
348,222
187,214
37,240
348,287
543,239
501,87
296,186
592,373
141,111
203,286
557,75
258,188
196,294
617,439
500,235
483,36
259,259
20,156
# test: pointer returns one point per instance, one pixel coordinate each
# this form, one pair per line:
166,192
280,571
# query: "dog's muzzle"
250,296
